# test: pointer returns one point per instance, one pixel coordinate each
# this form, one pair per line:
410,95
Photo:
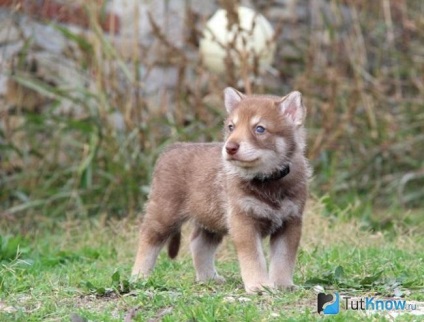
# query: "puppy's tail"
174,244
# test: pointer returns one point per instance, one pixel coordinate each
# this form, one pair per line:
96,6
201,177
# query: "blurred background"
91,91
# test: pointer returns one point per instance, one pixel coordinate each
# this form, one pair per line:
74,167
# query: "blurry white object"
253,39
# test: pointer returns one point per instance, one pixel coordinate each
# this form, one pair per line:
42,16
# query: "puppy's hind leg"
161,222
203,246
150,243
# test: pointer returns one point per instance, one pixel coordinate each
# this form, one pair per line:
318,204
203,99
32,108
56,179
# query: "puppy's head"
261,132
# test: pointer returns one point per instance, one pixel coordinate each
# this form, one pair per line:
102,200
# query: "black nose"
232,148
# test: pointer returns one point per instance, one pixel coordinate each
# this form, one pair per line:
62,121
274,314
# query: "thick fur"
216,188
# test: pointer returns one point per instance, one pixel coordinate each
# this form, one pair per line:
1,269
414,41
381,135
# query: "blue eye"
260,129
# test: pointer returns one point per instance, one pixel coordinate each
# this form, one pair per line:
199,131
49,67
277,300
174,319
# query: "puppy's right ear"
232,98
292,106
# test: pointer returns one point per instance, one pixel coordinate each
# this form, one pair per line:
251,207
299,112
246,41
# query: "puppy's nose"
232,148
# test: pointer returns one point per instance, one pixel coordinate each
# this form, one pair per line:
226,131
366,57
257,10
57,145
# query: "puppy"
252,185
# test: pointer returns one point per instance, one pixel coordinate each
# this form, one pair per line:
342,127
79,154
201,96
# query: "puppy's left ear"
232,98
292,106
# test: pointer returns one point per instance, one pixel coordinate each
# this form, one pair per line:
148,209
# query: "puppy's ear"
232,98
292,107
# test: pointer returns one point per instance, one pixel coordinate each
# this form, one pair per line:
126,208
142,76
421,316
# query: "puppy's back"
184,164
189,181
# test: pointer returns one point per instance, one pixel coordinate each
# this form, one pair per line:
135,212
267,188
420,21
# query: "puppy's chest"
275,210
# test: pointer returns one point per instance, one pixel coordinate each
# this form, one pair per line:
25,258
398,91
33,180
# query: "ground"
79,270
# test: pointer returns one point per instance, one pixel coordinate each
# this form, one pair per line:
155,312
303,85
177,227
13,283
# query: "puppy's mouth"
242,162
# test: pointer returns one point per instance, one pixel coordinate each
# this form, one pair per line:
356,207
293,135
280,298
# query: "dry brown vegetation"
359,64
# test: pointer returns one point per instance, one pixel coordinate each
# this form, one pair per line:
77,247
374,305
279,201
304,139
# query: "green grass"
82,269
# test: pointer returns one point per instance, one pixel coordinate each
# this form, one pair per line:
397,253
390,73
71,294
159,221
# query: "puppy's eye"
260,129
230,127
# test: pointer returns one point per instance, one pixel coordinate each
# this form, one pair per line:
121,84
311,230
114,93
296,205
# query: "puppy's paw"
135,278
218,279
138,274
258,288
286,287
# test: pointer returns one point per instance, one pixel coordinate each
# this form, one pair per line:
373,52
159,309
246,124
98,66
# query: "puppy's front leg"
284,244
248,244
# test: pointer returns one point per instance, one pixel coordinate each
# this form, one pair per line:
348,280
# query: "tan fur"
219,190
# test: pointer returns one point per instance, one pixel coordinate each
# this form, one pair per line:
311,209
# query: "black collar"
277,175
